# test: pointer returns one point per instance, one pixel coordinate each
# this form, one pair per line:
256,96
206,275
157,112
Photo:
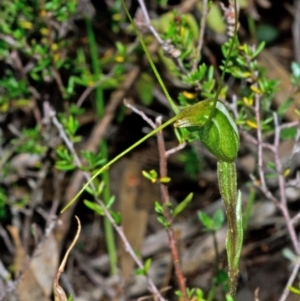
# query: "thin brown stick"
281,184
282,202
175,149
165,200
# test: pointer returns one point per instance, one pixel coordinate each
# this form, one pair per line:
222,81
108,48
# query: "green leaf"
147,265
100,187
140,271
111,201
205,220
94,206
266,33
117,217
294,290
240,232
271,165
151,175
259,49
182,205
89,190
288,133
64,166
215,19
284,106
158,208
162,220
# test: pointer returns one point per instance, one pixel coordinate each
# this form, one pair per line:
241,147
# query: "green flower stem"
108,228
232,202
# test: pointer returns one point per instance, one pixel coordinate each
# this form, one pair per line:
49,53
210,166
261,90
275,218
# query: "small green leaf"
266,33
158,208
139,271
161,219
294,290
94,206
146,175
64,166
259,49
153,173
182,205
89,190
147,265
288,133
111,201
271,165
117,217
205,220
284,106
100,187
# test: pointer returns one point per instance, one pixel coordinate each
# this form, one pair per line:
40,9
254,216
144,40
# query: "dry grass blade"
59,293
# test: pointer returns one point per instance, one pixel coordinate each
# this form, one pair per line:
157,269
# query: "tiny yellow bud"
4,108
117,17
248,101
182,31
44,41
54,46
43,13
255,90
251,124
247,74
165,180
44,31
286,172
25,24
119,59
56,57
188,95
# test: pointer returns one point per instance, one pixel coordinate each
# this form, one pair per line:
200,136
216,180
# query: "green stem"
232,202
108,229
